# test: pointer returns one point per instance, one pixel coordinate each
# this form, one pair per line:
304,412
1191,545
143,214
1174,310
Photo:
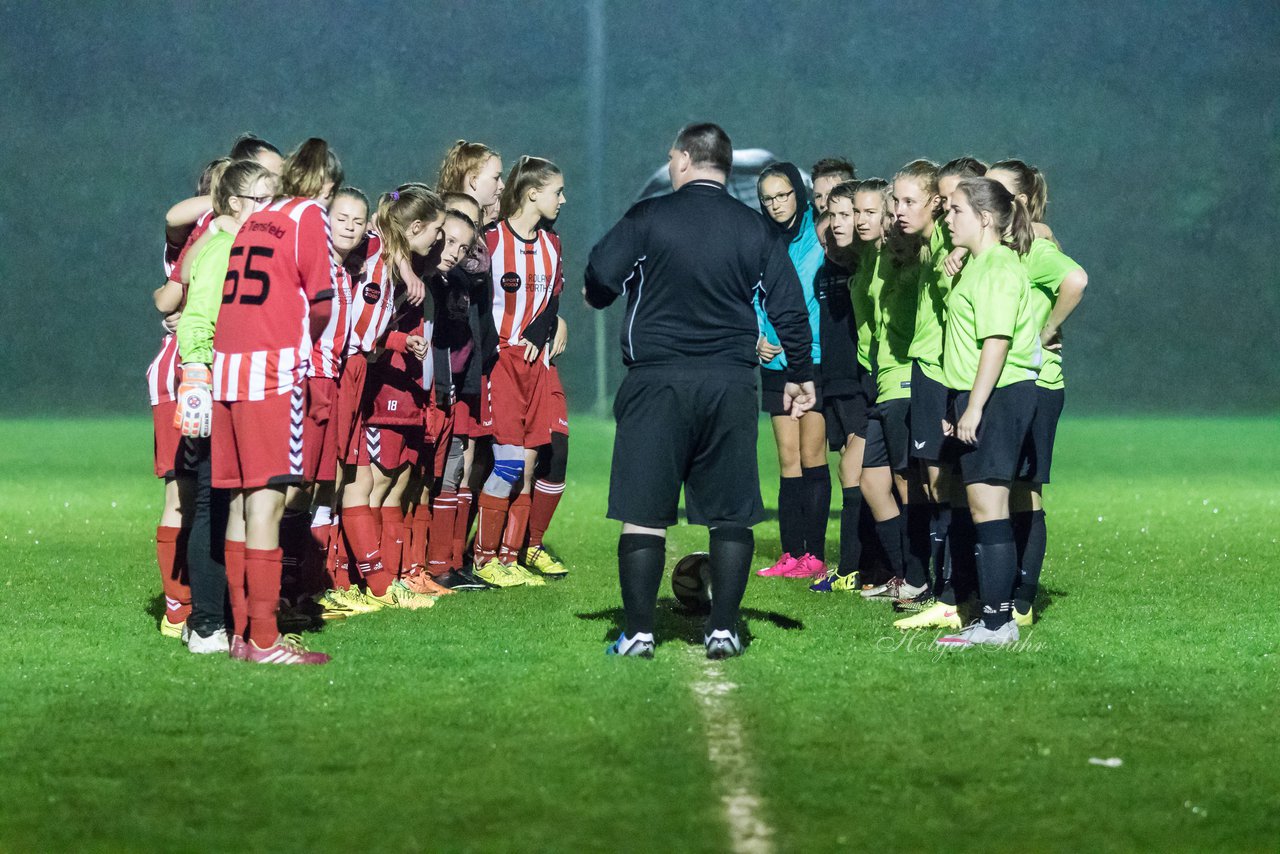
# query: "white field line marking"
726,748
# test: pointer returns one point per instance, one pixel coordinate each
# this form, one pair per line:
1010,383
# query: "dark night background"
1156,124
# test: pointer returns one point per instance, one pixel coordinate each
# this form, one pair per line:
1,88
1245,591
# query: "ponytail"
398,210
1010,216
528,173
1020,233
1028,181
209,175
308,168
462,160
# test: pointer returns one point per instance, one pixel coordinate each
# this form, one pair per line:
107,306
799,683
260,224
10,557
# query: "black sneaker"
460,579
920,602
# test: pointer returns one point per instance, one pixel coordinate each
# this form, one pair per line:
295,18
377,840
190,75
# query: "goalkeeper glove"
194,414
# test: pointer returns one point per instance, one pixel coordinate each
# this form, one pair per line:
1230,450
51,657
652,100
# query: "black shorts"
1006,423
1037,453
876,454
695,430
772,384
844,415
928,408
895,421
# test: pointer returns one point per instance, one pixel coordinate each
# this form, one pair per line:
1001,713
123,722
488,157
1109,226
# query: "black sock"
731,550
850,538
961,538
818,508
916,547
640,560
889,532
997,559
939,527
1031,536
205,567
791,515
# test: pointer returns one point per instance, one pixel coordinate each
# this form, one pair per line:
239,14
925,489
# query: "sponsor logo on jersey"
510,282
270,228
371,293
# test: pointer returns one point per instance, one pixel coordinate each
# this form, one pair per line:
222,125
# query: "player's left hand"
170,322
417,346
531,350
1051,339
967,427
799,398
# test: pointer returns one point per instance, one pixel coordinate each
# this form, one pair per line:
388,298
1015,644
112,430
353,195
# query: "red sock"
493,517
517,525
444,512
171,556
392,538
416,558
262,572
546,497
461,524
233,554
362,538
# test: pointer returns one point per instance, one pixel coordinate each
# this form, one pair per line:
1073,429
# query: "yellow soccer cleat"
531,579
543,562
498,574
173,630
1024,620
846,583
940,616
398,595
356,600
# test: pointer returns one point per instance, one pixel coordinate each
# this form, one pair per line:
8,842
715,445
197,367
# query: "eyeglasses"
261,200
769,201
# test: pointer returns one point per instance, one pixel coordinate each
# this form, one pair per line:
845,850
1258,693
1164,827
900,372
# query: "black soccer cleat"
461,579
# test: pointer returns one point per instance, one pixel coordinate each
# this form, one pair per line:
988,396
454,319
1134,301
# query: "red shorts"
556,410
439,434
346,415
517,390
175,453
258,443
472,415
388,447
320,431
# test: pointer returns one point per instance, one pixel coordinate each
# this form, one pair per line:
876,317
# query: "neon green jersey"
1046,267
895,328
864,291
204,298
992,298
931,310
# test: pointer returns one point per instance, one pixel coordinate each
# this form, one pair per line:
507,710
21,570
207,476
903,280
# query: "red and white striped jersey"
525,273
162,373
173,255
329,351
281,262
372,300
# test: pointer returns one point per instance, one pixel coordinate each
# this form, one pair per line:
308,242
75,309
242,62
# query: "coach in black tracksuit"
689,263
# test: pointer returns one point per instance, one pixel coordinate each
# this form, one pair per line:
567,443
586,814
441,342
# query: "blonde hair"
462,160
308,168
925,173
398,210
234,179
529,173
1030,183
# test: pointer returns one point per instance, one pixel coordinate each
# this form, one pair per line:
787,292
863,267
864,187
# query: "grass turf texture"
494,721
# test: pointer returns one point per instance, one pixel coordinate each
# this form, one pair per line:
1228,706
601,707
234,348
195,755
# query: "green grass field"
494,721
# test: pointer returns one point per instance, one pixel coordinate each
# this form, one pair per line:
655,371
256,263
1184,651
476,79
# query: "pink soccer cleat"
808,566
782,569
287,649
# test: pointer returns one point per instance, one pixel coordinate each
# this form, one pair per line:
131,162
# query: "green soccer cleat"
543,562
399,595
1024,620
498,574
531,579
940,616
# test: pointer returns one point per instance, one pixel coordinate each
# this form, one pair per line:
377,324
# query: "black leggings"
206,567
